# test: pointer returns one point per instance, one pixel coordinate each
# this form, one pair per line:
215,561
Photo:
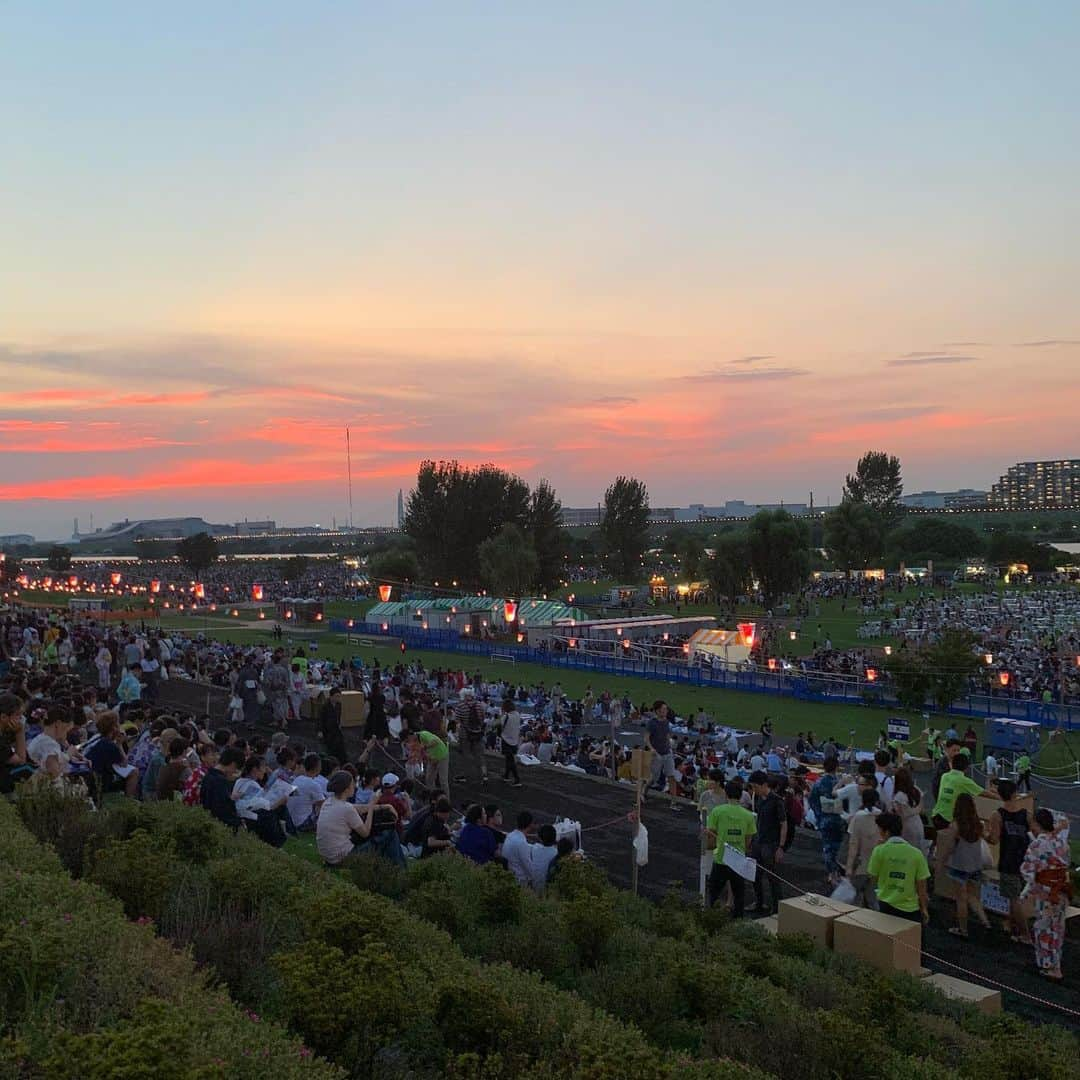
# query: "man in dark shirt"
767,846
410,712
436,830
658,740
217,785
330,726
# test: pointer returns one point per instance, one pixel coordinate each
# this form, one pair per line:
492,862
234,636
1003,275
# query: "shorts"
663,765
1011,886
963,877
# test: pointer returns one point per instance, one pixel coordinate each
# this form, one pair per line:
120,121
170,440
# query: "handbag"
987,855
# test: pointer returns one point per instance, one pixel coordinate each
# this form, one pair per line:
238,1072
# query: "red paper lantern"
572,643
772,663
155,586
385,592
200,591
47,583
73,581
746,632
256,592
1003,678
626,643
871,674
521,638
510,608
114,577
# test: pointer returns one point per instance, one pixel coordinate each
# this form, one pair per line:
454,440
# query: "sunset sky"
723,247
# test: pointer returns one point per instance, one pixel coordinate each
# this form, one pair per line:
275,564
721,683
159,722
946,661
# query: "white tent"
724,645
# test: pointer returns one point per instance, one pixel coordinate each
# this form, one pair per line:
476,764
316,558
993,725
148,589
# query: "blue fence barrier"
802,686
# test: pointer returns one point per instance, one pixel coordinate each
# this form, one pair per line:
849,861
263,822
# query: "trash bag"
844,893
641,846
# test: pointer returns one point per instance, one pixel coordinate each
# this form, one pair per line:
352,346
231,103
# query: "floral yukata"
1048,851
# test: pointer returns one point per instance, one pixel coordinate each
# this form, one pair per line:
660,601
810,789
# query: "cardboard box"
311,706
887,942
985,1000
813,916
354,708
768,924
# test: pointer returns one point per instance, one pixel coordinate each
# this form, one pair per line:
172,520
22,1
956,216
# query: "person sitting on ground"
543,854
344,828
216,793
476,841
48,750
208,757
310,794
172,773
106,754
436,833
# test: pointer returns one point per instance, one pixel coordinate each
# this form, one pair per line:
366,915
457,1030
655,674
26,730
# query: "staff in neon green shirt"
899,872
729,824
954,784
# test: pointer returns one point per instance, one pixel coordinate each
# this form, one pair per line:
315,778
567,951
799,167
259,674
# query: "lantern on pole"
746,632
47,583
200,591
73,581
510,608
155,586
1003,678
772,663
256,592
385,592
114,577
871,674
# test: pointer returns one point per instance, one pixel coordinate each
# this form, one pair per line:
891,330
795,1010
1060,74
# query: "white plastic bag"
394,726
571,829
844,893
641,846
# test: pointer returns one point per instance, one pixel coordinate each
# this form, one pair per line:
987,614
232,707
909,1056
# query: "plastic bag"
844,893
641,846
393,724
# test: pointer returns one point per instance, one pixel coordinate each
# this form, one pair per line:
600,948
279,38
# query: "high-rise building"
1039,485
400,509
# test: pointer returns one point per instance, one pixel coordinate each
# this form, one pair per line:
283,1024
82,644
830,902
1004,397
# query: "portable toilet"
1012,736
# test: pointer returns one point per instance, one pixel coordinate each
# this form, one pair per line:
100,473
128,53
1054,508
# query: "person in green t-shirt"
437,754
899,872
954,783
1023,772
733,825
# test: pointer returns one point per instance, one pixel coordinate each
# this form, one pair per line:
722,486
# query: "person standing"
729,824
437,753
828,812
1045,869
510,738
330,726
276,687
1009,828
863,838
470,721
965,865
1023,772
247,689
907,803
899,872
658,740
767,845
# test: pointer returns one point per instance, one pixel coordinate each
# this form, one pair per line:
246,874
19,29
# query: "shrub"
590,925
373,873
194,834
137,872
501,899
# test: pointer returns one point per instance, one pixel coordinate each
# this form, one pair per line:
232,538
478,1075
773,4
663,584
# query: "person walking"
470,722
1009,828
907,803
1023,772
1045,869
828,812
276,686
767,846
510,738
966,864
863,838
899,872
729,825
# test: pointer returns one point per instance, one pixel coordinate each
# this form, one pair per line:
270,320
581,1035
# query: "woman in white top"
103,663
48,750
907,802
344,827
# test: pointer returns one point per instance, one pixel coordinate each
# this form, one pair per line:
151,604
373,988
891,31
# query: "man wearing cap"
390,796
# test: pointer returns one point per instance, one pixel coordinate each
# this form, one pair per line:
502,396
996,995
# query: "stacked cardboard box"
885,941
354,708
813,916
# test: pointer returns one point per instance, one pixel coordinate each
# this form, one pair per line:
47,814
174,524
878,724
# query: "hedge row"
363,981
277,928
87,993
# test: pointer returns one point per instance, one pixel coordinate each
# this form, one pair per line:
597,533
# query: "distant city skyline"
723,249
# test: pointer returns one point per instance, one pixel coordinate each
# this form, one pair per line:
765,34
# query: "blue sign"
899,728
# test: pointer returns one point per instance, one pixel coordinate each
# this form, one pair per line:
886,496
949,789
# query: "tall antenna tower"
348,463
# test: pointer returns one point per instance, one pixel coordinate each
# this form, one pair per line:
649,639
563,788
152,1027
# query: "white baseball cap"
390,780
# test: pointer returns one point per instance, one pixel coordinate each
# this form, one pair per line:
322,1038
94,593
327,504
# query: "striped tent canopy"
545,612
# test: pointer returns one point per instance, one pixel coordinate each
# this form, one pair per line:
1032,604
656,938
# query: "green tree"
547,534
508,562
952,660
10,568
933,538
910,678
778,553
854,535
394,564
692,557
58,560
1004,548
624,527
877,482
453,509
198,552
729,572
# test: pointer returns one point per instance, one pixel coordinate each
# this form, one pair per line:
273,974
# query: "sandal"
957,932
1051,978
